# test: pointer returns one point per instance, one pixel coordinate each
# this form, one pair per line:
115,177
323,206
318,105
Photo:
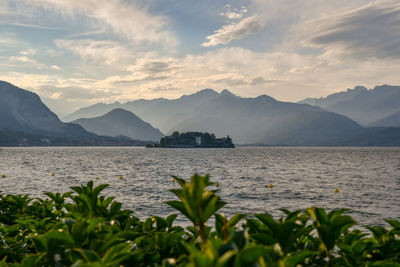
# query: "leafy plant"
196,203
85,228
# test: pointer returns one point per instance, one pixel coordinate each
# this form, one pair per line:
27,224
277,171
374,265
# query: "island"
193,140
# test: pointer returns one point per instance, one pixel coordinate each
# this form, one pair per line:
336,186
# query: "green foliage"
196,203
188,139
85,228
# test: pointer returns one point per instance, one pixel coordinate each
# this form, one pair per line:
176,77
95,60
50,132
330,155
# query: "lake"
368,178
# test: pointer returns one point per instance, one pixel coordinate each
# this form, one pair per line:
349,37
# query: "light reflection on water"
368,178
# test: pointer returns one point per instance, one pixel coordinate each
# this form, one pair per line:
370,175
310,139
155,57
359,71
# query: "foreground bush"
93,230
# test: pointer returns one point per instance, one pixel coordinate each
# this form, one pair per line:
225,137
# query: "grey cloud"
154,67
239,82
137,80
371,31
164,89
231,81
74,93
234,31
262,80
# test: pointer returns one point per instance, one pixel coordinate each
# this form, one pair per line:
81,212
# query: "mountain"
120,122
161,113
360,104
264,120
261,120
25,120
21,110
92,111
393,120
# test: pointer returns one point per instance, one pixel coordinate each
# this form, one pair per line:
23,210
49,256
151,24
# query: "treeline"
10,138
189,139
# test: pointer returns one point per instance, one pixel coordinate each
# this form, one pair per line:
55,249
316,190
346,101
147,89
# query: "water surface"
368,178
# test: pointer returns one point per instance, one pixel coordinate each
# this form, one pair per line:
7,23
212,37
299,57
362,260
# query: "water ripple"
368,178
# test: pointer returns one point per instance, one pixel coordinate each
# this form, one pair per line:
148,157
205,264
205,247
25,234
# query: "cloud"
28,52
74,92
372,31
103,51
236,13
55,67
25,60
8,41
124,19
234,31
65,99
155,66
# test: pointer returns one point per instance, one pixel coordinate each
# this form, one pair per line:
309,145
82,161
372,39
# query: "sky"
74,53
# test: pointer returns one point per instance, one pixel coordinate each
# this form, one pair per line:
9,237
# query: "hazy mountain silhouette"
21,110
161,113
360,104
92,111
121,122
392,120
262,120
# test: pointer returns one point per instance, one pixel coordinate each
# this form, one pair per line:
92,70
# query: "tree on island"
188,139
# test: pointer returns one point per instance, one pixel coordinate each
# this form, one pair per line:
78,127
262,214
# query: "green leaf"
326,236
180,207
359,247
197,187
226,258
264,239
31,260
180,181
60,236
89,255
294,260
249,255
100,188
116,254
319,215
268,221
170,219
285,236
339,224
394,223
235,219
211,208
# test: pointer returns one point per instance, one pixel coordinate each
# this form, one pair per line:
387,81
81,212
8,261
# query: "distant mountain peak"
358,88
121,122
227,92
207,91
365,106
22,110
266,98
119,110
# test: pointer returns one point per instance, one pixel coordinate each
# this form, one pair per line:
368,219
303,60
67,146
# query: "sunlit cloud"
121,50
55,67
370,31
124,19
234,31
234,13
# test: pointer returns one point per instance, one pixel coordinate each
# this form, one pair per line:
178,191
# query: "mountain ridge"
259,120
247,120
120,122
23,110
361,104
